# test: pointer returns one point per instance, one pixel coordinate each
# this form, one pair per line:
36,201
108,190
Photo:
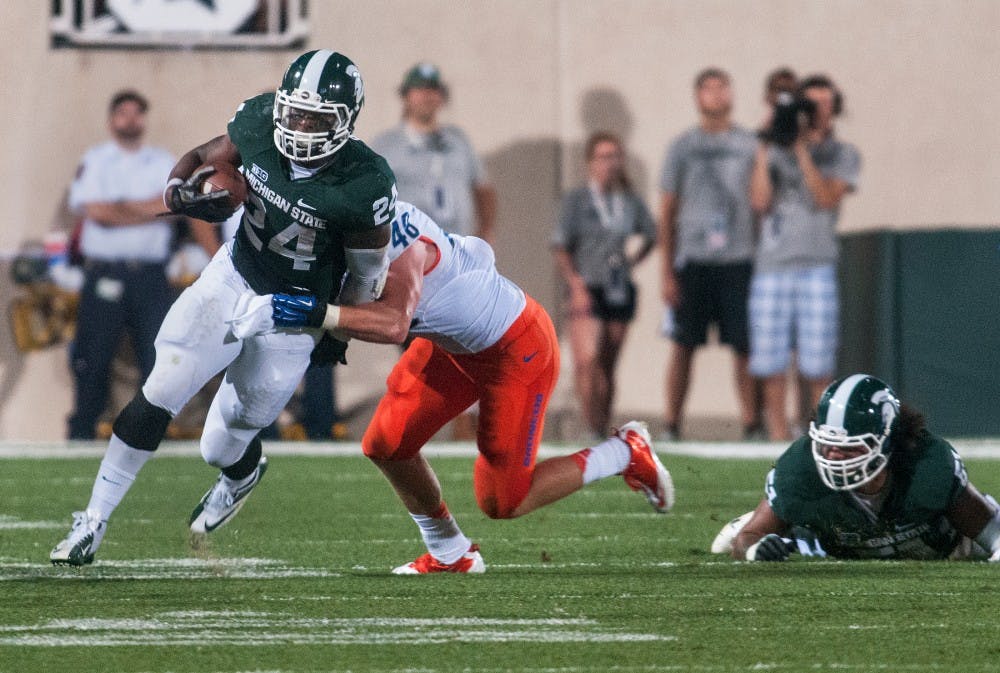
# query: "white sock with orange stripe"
607,459
442,536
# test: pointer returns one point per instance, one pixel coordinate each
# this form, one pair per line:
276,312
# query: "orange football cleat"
645,472
471,562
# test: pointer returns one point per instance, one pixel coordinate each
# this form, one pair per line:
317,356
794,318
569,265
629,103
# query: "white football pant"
195,343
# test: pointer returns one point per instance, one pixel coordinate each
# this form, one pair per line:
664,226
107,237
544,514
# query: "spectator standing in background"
125,247
436,167
799,180
595,222
781,80
707,235
438,171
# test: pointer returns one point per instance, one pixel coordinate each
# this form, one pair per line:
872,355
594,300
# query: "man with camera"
801,173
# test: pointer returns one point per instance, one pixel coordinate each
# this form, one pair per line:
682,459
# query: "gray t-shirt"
796,233
594,232
709,173
435,172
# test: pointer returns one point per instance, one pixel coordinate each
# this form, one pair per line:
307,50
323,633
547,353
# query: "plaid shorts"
794,309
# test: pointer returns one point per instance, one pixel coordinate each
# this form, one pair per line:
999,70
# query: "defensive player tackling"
479,337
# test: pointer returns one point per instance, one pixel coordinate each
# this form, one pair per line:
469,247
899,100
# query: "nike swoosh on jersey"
529,358
303,204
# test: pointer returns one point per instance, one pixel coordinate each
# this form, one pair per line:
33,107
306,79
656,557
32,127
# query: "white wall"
530,78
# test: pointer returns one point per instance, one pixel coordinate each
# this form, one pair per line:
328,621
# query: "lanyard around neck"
609,206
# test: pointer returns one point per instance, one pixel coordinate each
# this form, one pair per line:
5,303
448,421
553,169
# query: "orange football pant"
512,380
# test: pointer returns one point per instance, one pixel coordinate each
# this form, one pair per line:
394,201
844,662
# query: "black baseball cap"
423,76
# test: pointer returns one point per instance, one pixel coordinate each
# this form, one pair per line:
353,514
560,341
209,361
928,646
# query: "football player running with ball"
319,203
479,337
869,481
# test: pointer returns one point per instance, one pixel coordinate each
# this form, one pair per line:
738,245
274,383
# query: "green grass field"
300,581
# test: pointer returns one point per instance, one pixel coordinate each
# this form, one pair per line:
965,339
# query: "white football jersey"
465,305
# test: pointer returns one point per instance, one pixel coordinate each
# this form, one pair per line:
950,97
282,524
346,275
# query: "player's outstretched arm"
760,539
386,320
975,518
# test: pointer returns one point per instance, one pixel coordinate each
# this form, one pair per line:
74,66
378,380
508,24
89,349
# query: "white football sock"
234,484
608,458
115,477
442,536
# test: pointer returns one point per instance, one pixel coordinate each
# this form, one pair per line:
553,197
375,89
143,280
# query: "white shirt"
110,173
465,305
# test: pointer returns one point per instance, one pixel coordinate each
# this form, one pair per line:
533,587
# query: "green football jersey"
292,234
909,524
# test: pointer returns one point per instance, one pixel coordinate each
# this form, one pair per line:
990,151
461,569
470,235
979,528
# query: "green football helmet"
316,106
854,418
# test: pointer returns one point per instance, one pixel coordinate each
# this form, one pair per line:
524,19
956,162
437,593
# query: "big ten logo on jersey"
259,172
404,232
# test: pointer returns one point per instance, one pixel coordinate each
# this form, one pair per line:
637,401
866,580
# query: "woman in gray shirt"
588,243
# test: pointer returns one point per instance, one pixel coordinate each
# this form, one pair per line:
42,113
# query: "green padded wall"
922,310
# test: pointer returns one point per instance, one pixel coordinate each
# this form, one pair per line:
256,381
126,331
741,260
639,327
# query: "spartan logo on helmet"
359,85
317,105
889,405
854,418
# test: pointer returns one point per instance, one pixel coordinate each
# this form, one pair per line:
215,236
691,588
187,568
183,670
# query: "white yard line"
255,628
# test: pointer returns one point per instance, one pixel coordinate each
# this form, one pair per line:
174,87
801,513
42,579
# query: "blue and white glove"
297,310
771,547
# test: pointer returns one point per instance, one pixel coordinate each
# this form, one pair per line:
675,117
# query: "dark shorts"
602,310
714,293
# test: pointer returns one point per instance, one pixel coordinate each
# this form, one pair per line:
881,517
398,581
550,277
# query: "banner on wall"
179,24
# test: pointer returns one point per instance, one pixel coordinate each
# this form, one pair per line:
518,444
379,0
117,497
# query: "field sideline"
598,582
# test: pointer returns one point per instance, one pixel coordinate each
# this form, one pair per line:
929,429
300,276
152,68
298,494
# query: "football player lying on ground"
869,481
480,337
319,201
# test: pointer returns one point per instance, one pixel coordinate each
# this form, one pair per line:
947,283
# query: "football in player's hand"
226,177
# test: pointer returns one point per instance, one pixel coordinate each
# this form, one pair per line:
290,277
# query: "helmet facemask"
328,125
854,418
847,474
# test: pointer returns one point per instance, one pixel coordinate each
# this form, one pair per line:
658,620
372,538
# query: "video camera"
791,114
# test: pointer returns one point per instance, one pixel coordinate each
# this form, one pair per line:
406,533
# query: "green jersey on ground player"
868,481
